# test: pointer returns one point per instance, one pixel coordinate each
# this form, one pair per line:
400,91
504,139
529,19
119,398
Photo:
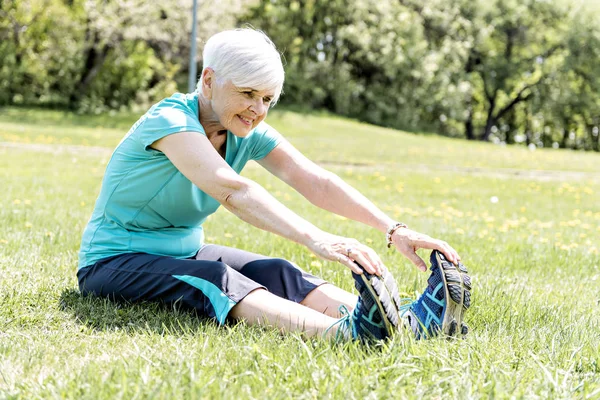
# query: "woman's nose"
258,106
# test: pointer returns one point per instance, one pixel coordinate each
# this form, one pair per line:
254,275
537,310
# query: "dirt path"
507,173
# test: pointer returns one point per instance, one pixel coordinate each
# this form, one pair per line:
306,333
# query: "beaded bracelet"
393,228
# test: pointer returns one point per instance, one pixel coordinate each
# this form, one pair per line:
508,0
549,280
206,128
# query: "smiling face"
238,109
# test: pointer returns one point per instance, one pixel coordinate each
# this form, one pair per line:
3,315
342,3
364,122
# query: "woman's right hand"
408,242
348,252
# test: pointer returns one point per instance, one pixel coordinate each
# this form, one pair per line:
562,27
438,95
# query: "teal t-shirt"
145,204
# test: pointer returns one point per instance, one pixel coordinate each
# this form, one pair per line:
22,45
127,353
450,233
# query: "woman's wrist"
391,230
383,224
310,235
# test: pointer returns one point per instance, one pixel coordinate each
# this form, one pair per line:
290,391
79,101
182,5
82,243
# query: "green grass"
534,257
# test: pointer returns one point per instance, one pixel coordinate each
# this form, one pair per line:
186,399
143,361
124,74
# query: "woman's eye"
267,99
249,94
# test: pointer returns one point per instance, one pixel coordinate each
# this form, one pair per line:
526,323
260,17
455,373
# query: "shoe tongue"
432,258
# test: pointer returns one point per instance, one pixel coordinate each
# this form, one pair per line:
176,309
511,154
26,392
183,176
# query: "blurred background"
505,71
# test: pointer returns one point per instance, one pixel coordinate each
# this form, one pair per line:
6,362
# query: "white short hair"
246,57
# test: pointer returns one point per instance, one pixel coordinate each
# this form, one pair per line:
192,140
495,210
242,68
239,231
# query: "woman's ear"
208,80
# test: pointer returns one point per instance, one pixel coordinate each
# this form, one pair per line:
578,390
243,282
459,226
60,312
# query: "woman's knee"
279,267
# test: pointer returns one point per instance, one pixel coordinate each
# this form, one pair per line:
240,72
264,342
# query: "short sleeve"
264,139
172,115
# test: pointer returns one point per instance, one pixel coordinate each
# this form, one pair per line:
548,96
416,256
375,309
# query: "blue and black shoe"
376,315
441,308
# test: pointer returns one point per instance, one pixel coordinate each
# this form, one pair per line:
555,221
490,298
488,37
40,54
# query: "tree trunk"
489,123
16,30
528,124
566,132
469,133
469,128
528,137
94,60
513,128
594,140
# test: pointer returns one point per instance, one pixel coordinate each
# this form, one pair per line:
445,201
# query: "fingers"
408,242
445,248
349,252
449,252
415,259
367,259
375,260
426,242
348,262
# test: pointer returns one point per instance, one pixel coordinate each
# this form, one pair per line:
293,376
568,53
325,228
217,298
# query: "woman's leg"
328,298
211,288
266,309
283,279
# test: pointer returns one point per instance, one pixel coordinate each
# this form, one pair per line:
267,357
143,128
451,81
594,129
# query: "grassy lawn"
534,255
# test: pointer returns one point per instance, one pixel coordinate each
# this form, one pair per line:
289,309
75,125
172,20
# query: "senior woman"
181,160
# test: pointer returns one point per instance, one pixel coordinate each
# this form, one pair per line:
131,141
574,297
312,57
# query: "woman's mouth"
245,121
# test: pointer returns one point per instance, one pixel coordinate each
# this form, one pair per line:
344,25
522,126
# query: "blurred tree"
36,59
572,96
106,54
359,59
502,70
523,45
467,68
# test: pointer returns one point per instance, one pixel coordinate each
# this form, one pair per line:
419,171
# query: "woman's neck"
208,119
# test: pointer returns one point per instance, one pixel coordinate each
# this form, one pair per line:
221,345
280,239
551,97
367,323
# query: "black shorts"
211,283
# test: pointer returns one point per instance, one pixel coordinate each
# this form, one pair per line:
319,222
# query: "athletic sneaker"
442,306
376,315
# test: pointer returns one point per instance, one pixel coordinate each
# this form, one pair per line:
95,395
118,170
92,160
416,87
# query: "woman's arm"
195,157
328,191
323,188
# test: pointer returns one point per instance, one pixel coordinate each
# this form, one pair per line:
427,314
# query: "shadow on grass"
101,314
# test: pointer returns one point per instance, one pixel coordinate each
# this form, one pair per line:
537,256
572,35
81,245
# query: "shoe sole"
385,292
457,291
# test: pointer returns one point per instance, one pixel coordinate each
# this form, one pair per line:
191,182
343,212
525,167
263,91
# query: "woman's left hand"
408,242
347,251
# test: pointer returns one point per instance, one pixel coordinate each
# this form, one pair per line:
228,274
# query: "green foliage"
37,60
506,71
127,76
94,55
476,69
344,56
572,106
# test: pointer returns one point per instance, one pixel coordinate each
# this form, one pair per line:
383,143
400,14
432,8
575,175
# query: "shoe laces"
407,306
344,325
